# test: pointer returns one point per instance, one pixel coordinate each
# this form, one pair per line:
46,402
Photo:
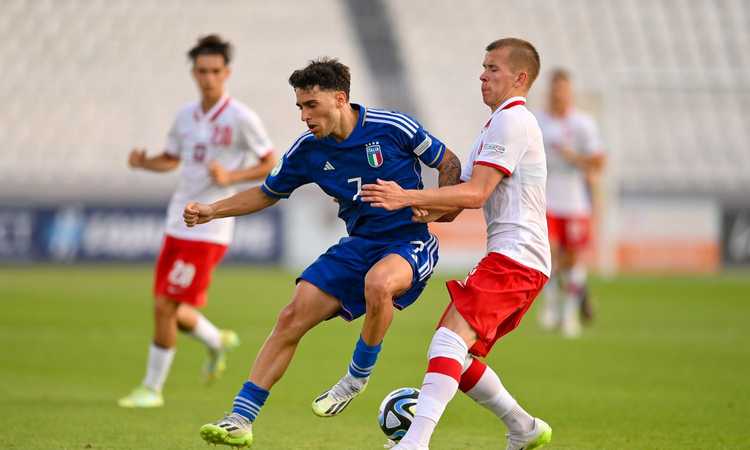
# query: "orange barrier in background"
468,231
639,253
668,256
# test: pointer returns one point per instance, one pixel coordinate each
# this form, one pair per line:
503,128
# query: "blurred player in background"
574,161
384,262
218,142
505,175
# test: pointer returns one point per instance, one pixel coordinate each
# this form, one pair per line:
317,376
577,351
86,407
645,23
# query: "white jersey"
231,134
567,190
511,142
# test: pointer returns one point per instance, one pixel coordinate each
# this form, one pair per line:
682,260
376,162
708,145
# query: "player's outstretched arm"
471,195
434,215
224,177
159,163
586,163
450,174
240,204
449,169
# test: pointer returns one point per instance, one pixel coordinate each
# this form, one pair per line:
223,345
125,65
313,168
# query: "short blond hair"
523,56
559,74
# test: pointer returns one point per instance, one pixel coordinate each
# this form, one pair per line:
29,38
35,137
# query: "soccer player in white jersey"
506,176
218,142
574,161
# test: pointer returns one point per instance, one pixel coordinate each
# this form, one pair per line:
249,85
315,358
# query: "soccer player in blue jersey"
383,263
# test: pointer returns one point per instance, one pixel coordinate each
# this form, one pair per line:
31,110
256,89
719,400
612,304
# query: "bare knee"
574,257
165,308
290,325
379,291
454,321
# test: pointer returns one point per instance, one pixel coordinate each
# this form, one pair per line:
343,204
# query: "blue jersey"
384,144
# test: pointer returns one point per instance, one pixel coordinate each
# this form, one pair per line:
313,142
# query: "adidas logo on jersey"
328,166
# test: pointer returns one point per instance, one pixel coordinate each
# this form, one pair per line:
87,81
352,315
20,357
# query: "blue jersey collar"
357,128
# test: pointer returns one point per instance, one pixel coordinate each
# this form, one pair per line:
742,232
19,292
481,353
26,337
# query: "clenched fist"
197,213
219,174
137,158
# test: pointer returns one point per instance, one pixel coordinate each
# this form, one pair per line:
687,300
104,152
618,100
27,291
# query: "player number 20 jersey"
231,134
567,191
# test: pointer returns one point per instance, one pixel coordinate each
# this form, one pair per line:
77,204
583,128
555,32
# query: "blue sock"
249,401
363,359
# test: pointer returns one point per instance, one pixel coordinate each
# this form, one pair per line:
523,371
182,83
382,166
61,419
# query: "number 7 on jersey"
357,180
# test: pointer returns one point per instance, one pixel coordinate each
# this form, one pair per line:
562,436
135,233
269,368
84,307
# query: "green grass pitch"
666,366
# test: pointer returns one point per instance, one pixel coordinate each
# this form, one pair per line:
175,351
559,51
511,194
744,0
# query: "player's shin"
337,398
377,320
157,369
577,277
363,359
148,394
206,332
483,385
447,354
571,324
549,316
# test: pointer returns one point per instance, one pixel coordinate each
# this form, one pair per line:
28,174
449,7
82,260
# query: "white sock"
518,420
207,333
571,323
447,355
490,393
578,275
423,428
570,305
575,282
159,362
551,289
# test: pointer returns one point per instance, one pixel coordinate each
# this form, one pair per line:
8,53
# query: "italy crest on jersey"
374,154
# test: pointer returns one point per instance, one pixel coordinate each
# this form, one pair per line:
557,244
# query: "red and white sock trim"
472,375
447,354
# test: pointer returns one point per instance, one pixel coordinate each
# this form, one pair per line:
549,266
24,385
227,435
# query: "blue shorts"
340,271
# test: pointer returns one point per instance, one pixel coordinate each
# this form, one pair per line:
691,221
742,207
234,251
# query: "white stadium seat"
84,81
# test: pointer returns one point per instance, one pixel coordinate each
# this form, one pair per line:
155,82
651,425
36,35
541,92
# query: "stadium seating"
84,81
669,81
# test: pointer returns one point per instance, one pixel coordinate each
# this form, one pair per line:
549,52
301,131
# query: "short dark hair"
327,73
523,56
212,44
559,74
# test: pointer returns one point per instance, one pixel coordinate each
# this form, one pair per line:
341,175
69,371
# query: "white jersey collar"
215,110
511,102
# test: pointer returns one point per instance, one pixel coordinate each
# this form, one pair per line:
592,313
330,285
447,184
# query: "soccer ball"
397,412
